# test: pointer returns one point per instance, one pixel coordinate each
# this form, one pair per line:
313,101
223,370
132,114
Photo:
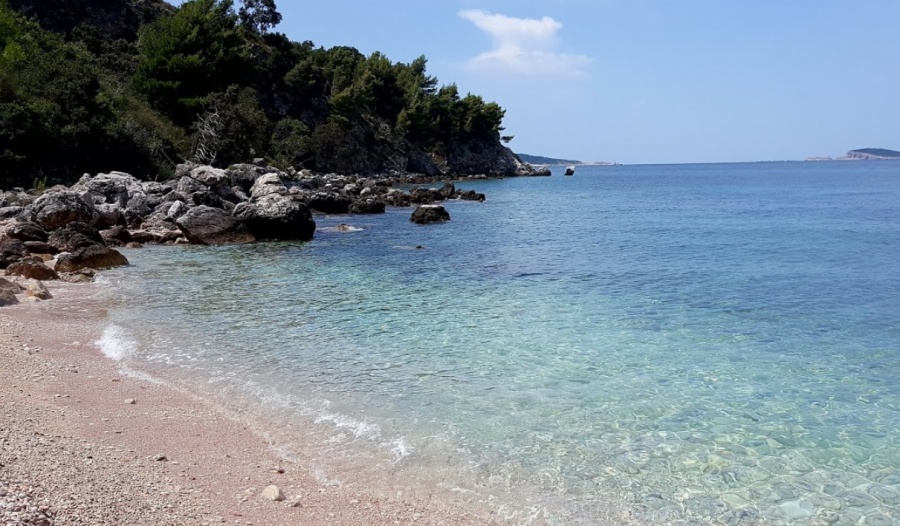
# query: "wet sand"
83,443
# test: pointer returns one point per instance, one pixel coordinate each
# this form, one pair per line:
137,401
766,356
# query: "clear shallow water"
674,344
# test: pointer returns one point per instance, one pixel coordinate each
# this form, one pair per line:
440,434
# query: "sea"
659,344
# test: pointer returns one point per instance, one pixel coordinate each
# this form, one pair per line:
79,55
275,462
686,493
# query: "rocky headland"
68,232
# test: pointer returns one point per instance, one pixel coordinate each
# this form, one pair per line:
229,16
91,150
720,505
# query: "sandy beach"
83,443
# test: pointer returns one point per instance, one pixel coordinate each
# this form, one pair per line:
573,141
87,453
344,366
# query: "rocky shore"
67,233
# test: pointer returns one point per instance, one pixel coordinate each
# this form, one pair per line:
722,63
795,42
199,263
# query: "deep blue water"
684,344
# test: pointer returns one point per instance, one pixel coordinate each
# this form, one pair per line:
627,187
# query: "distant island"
863,154
550,161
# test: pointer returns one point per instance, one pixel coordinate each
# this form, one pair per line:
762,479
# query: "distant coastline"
863,154
551,161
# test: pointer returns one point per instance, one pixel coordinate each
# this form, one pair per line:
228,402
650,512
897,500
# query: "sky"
648,81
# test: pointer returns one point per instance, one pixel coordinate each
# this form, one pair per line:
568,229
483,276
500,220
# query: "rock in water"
570,170
31,269
90,257
58,209
429,214
204,225
272,493
275,216
367,205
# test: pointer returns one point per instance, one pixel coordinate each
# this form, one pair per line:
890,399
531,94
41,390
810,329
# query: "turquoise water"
685,344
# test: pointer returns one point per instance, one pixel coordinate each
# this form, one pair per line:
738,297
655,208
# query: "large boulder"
204,225
268,184
26,231
429,214
275,216
90,257
75,236
58,209
109,215
12,251
114,188
367,205
31,269
209,176
328,203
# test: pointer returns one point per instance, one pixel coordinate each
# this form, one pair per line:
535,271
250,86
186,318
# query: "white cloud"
523,45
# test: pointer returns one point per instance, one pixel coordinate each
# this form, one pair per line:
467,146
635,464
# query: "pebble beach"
82,442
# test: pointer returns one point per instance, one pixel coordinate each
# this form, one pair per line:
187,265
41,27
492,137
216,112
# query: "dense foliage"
207,82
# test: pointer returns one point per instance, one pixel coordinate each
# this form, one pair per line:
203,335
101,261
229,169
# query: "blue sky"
648,81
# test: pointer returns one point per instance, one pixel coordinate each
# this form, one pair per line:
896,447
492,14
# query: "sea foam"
115,343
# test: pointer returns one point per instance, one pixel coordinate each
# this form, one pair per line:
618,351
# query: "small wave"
115,343
359,428
401,449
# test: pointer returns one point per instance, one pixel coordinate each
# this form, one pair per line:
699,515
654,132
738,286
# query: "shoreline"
74,442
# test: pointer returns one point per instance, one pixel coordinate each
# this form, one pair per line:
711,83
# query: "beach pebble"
272,493
160,458
130,401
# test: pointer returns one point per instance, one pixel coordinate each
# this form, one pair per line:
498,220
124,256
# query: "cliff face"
119,19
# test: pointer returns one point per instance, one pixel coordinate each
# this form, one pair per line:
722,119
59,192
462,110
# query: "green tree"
188,55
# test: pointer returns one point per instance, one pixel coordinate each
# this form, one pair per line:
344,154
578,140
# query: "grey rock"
212,226
367,206
12,251
7,298
26,231
109,215
424,214
268,184
275,216
328,202
31,269
75,236
56,210
95,257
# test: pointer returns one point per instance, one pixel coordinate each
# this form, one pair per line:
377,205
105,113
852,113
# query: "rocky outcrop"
424,214
204,225
276,216
95,257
